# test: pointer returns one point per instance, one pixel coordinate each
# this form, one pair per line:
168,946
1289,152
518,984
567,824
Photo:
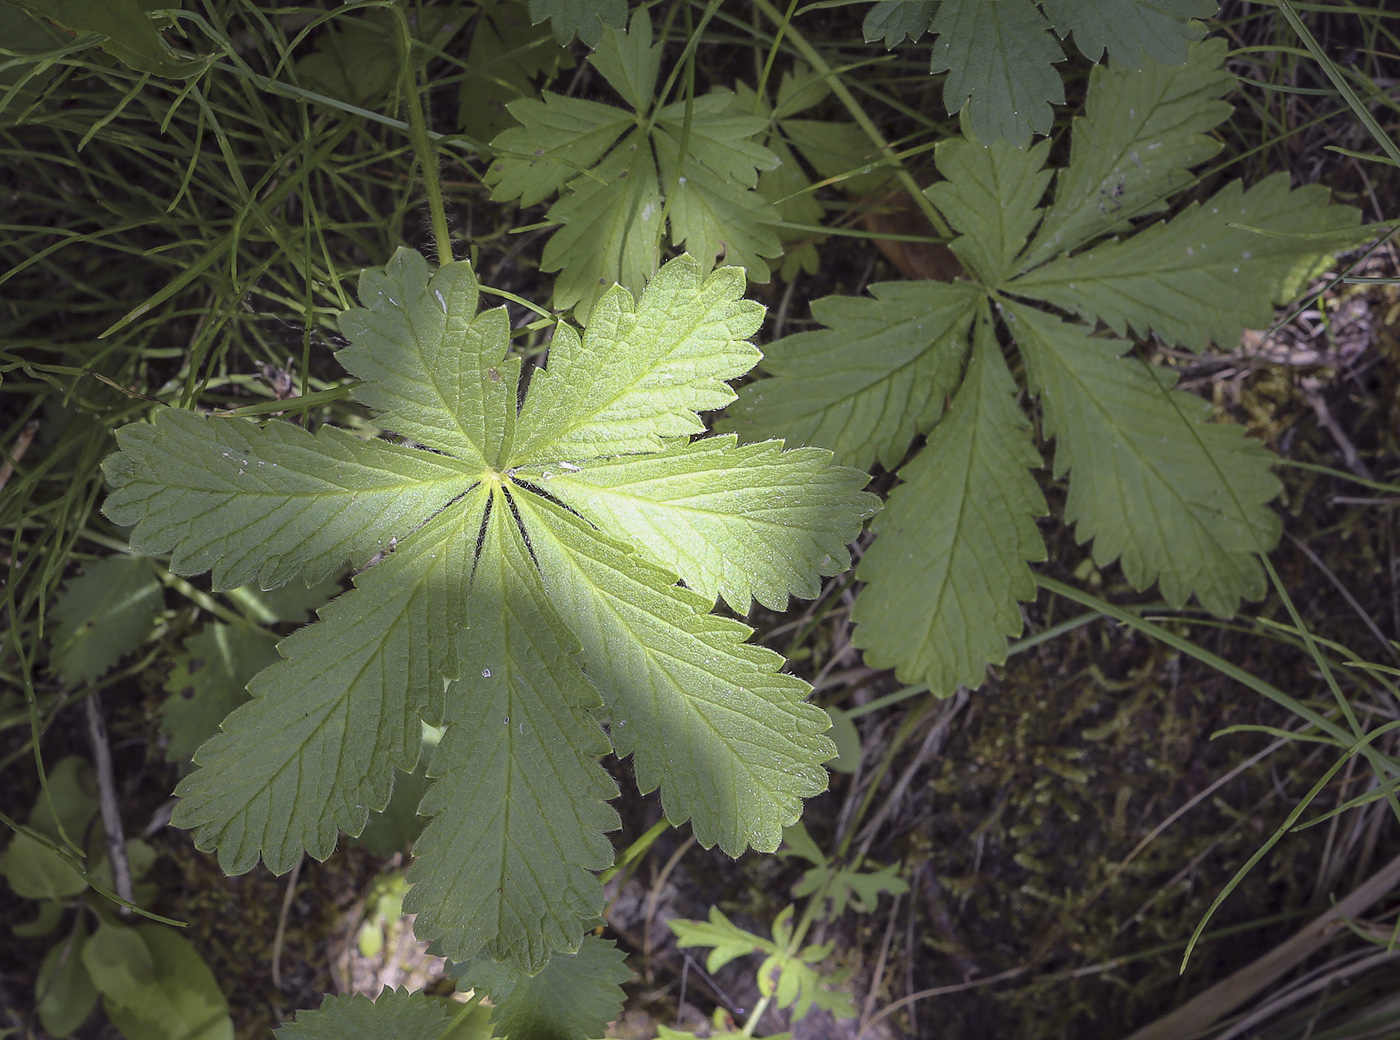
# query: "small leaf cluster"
633,179
1175,498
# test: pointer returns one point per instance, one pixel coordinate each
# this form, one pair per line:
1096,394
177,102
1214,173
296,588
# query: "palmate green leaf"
396,1014
743,523
643,370
132,34
491,609
208,681
872,381
431,364
894,20
1177,500
990,197
829,147
617,169
576,996
869,382
944,578
1000,55
1135,144
1133,32
1174,498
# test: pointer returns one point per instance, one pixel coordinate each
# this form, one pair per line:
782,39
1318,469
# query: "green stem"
422,144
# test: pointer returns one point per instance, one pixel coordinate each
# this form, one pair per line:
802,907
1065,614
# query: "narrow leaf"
1175,498
1196,278
432,365
266,504
946,575
316,747
643,370
519,807
1139,137
744,523
991,195
706,716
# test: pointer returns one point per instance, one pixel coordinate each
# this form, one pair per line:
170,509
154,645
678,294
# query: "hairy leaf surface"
484,605
742,523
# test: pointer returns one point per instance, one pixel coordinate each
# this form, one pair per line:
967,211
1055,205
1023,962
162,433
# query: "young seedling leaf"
494,610
1178,500
618,170
727,940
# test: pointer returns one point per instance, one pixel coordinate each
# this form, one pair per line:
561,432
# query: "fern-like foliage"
1000,56
630,179
1175,498
530,589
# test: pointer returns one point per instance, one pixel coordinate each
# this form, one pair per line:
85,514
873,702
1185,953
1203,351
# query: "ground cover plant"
553,526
